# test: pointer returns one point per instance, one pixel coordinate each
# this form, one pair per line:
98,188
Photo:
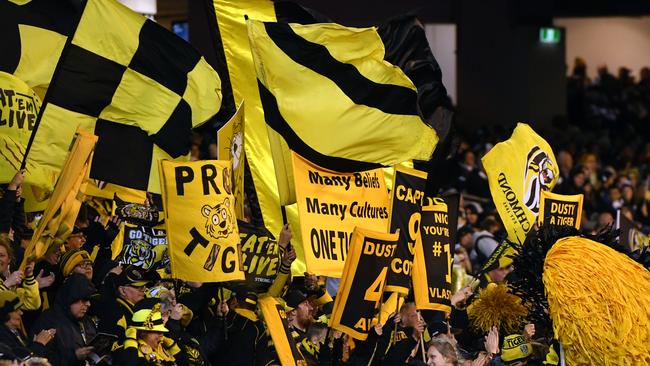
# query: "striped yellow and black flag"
138,87
235,64
327,90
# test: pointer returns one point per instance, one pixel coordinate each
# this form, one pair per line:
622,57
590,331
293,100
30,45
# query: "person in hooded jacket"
74,328
11,331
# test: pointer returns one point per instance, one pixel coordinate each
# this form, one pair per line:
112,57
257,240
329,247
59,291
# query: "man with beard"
300,313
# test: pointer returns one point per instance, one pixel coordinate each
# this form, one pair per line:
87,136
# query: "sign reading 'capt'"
330,205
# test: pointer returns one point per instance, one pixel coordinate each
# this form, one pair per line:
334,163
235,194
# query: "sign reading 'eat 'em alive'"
330,206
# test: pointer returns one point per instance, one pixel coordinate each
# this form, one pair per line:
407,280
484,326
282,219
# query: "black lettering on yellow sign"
514,207
18,109
329,244
229,260
185,175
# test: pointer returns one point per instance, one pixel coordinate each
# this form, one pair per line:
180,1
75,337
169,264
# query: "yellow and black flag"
139,87
234,60
358,112
518,170
33,36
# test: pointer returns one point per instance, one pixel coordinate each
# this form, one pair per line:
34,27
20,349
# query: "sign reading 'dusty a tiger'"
560,210
330,206
433,259
200,218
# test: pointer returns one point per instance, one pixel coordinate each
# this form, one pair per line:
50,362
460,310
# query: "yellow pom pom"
496,306
599,301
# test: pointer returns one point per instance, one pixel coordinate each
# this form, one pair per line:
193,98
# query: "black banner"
407,198
433,259
560,210
260,256
363,282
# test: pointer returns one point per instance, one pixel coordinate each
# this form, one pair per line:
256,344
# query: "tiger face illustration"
139,253
219,222
538,177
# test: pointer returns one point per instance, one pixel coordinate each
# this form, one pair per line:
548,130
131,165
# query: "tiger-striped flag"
327,90
138,87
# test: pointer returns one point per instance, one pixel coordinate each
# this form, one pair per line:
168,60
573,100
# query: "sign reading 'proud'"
330,205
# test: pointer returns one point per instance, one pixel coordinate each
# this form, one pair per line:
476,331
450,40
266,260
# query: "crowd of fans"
77,306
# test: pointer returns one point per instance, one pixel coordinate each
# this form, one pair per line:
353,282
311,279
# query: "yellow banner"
64,204
19,107
277,325
433,259
231,18
362,285
200,219
230,142
560,210
518,170
331,205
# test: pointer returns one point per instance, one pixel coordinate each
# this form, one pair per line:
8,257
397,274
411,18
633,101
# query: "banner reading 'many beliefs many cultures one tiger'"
331,205
200,219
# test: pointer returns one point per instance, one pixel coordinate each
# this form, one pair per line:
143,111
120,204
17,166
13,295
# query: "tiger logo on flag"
219,222
537,178
139,253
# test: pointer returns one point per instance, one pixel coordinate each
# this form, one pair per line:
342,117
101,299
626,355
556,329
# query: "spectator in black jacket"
74,329
11,332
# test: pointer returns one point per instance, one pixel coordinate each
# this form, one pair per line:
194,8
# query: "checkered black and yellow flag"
138,87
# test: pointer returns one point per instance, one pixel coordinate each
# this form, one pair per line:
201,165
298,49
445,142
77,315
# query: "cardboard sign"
200,220
363,282
330,206
277,325
560,210
433,259
406,203
260,256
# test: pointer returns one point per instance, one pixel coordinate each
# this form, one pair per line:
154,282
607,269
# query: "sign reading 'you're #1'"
433,259
330,206
201,222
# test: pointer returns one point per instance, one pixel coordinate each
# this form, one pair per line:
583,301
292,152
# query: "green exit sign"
549,35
